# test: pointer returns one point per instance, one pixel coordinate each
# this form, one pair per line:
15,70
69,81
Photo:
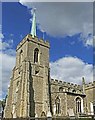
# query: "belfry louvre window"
36,54
57,102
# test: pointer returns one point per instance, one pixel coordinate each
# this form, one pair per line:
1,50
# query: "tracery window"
36,53
57,103
78,105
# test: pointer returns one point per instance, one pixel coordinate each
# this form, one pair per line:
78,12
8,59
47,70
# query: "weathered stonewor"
33,93
28,92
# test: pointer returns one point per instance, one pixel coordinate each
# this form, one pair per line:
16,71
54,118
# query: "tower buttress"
28,90
29,86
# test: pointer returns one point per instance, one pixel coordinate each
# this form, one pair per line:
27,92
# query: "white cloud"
7,61
10,51
1,37
89,42
71,69
59,19
57,0
6,47
7,66
49,0
64,18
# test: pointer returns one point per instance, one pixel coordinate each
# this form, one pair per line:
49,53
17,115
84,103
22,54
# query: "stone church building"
32,92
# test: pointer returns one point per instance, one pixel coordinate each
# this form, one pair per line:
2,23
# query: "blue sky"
16,21
69,41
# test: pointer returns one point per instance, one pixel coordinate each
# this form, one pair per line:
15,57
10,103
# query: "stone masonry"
33,93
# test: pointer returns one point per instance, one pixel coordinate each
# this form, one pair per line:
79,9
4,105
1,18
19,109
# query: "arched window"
17,83
74,91
20,56
57,103
94,107
36,53
60,89
69,89
78,105
91,108
43,114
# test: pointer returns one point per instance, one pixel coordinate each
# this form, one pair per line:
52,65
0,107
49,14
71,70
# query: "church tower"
28,93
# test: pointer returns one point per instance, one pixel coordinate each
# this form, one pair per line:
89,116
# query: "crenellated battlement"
21,43
35,40
71,87
67,84
55,81
39,41
90,84
42,41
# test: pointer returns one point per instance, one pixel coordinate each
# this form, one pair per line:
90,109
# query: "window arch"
94,107
74,90
36,54
78,105
43,114
57,103
69,89
20,56
17,83
60,89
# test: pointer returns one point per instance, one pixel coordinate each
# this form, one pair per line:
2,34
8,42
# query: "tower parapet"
36,40
90,85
